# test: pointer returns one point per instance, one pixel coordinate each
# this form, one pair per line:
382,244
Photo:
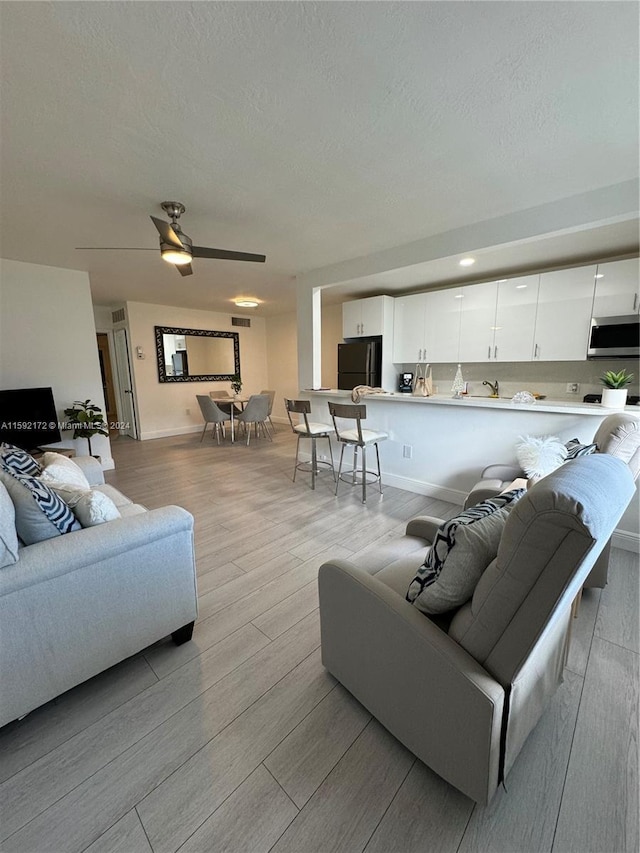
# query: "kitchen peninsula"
438,445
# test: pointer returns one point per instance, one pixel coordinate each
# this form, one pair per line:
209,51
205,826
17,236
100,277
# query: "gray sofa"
77,604
464,692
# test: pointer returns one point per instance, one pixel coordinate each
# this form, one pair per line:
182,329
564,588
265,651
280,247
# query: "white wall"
331,337
48,338
162,407
282,361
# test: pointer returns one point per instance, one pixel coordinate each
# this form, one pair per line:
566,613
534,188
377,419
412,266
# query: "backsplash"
541,377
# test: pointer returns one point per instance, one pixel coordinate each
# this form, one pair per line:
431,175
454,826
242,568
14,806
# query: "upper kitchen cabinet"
563,318
515,319
477,321
617,289
409,328
442,325
366,317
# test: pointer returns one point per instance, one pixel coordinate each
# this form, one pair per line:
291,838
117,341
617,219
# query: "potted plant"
614,391
86,420
236,383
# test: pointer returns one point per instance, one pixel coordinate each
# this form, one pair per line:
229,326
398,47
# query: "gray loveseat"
77,604
463,695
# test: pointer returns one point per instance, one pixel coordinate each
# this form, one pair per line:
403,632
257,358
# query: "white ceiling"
312,132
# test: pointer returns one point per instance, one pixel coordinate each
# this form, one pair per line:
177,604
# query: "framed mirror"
196,355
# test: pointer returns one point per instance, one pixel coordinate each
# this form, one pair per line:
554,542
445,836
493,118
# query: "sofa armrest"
91,468
424,526
417,681
502,472
61,555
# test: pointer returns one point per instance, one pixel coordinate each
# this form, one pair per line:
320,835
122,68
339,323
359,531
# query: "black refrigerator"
360,363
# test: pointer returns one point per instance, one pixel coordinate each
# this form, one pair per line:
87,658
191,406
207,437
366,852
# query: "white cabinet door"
409,328
563,318
372,316
442,321
515,319
351,319
477,319
617,289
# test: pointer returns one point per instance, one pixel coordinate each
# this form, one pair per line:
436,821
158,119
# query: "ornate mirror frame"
202,333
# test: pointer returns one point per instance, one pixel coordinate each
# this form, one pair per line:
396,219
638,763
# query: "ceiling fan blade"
167,233
114,249
223,254
184,269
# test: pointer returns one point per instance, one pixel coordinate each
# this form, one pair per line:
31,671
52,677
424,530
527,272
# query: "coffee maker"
405,383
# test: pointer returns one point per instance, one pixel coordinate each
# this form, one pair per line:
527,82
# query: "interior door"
123,371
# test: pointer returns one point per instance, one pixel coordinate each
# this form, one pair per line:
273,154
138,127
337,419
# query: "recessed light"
467,262
246,303
600,275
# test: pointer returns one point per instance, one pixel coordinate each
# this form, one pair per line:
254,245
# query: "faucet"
495,392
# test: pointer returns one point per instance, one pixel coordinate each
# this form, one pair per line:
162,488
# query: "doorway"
107,377
125,384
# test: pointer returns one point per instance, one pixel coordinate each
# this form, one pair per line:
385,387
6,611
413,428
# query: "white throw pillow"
59,469
90,506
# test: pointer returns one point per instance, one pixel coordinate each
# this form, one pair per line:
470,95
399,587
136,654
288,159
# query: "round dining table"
232,402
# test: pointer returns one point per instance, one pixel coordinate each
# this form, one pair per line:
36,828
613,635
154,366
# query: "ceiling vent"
118,316
241,321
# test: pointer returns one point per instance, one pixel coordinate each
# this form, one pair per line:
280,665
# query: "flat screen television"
28,417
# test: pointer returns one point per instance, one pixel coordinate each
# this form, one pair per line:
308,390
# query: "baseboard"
626,541
165,433
420,487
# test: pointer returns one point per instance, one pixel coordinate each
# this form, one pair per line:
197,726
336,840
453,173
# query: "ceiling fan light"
175,256
246,303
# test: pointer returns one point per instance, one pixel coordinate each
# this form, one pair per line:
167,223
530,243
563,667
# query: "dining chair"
226,407
356,437
272,396
256,412
212,414
311,431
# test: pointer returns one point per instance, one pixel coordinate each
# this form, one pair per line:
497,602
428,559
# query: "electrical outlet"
188,411
572,387
407,451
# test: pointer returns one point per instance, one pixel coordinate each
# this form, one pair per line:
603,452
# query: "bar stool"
356,437
312,431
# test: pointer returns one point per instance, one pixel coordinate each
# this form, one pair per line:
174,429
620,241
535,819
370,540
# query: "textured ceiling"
312,132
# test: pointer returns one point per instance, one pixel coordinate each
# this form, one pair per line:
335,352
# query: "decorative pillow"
18,461
40,513
90,507
575,449
8,535
540,455
60,469
462,549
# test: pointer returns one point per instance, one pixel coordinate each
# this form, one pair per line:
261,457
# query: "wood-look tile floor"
240,741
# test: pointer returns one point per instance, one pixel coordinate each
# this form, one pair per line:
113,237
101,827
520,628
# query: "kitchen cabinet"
477,321
617,289
563,316
366,317
515,320
442,325
409,328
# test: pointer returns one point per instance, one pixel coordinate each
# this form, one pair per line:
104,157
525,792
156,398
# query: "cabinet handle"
419,355
495,352
489,351
635,301
362,328
536,351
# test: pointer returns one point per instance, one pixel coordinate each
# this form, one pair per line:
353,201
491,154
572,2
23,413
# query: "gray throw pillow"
40,513
462,549
8,535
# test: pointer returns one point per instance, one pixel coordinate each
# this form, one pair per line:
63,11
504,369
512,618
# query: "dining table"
232,402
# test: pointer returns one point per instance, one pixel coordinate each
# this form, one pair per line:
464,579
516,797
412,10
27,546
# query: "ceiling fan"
177,248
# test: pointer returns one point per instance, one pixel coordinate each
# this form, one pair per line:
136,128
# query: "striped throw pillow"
575,449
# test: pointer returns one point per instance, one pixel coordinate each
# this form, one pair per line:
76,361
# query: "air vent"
118,316
241,321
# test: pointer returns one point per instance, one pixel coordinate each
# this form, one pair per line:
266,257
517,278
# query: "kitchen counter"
498,403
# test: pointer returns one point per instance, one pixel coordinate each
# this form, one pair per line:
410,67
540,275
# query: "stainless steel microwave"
615,337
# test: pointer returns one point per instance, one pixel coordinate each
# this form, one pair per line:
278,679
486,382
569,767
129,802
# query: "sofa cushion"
8,535
117,497
59,469
462,549
40,512
13,459
575,449
90,506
